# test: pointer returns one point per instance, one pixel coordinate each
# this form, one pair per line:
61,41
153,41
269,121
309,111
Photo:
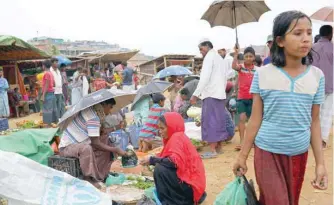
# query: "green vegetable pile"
141,182
28,125
144,185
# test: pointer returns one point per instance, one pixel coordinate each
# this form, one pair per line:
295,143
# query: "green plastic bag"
233,194
115,179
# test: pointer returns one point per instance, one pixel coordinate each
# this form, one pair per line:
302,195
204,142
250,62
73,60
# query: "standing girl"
285,118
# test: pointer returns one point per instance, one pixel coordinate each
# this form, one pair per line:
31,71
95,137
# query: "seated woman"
84,139
179,173
18,101
150,127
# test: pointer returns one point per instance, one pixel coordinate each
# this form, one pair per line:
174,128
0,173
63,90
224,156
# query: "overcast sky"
156,27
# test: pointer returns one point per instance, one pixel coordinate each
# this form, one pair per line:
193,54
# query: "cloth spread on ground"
31,143
179,149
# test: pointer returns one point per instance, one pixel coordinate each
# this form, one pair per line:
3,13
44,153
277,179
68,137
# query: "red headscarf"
179,149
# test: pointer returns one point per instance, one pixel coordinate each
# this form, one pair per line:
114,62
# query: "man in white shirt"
211,89
229,71
60,101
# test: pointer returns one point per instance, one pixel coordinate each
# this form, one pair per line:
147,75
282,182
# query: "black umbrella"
234,13
152,87
122,99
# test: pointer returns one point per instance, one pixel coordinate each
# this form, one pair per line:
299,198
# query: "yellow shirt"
39,78
118,78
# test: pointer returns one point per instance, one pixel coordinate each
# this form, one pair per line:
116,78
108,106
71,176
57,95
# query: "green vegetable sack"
233,194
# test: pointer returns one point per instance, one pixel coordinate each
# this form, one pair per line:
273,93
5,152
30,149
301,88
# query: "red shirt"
245,77
99,84
48,77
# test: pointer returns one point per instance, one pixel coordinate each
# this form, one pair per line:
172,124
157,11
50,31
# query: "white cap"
203,40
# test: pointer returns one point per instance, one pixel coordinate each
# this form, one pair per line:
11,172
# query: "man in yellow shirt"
39,83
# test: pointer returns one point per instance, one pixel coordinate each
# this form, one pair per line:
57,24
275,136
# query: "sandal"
209,155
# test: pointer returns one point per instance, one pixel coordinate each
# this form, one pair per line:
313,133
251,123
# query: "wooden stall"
150,68
13,50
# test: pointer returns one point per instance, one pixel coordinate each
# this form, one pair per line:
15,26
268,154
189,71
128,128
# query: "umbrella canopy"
63,60
234,13
173,70
190,78
122,99
12,48
323,14
152,87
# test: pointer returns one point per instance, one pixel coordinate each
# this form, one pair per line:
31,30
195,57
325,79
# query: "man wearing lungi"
323,59
58,87
211,89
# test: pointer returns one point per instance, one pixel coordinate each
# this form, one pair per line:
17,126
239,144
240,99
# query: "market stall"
12,50
103,57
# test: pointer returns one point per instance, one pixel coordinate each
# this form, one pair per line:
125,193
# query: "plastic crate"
66,164
4,124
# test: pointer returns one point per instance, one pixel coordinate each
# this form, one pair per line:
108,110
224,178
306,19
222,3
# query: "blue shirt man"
269,44
127,76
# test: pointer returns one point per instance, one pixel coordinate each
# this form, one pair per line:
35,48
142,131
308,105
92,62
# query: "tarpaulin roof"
12,48
109,56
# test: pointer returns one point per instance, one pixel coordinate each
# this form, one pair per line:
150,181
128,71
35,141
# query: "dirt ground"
219,172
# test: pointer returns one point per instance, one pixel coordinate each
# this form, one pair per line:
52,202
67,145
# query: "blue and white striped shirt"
85,124
287,107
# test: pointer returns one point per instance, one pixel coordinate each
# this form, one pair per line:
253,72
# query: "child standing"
245,76
287,95
150,127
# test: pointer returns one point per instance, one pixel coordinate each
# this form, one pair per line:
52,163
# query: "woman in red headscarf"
179,173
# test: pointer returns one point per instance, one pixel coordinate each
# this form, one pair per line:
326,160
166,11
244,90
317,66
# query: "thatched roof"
12,48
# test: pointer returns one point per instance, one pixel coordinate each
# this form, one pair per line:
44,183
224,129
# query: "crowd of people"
284,104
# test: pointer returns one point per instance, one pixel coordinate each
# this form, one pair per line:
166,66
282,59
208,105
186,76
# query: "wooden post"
165,62
155,67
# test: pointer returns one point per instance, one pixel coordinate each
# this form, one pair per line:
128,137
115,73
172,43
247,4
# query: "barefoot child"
287,95
150,127
245,77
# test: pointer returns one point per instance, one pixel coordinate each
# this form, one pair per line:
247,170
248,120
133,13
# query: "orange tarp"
20,81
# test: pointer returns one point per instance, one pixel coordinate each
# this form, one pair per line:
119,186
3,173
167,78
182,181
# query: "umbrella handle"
235,23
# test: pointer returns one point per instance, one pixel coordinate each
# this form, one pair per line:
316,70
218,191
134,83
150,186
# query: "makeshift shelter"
12,50
106,56
150,68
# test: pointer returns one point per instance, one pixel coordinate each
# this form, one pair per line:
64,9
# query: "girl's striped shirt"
287,107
